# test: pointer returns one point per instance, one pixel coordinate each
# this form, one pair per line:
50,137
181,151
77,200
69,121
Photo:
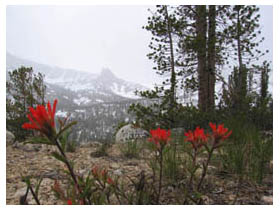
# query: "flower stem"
34,196
205,168
160,174
69,168
193,165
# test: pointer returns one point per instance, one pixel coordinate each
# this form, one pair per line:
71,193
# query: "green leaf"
63,139
86,190
26,179
66,127
38,186
39,140
66,172
59,157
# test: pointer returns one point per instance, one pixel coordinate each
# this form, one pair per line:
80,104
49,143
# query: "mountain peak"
107,73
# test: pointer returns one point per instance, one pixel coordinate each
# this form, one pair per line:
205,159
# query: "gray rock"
21,192
118,172
48,148
129,132
10,137
27,147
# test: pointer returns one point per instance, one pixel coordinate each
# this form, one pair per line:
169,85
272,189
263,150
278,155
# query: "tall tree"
242,41
211,57
201,49
163,25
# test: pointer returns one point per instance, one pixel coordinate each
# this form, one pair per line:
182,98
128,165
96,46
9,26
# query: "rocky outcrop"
10,137
129,132
27,147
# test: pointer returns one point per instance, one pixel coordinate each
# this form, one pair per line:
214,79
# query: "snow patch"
82,100
60,113
99,100
80,110
120,90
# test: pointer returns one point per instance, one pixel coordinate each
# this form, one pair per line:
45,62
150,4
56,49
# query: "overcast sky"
89,38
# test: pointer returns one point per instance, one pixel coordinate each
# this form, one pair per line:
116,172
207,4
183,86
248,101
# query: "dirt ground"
219,188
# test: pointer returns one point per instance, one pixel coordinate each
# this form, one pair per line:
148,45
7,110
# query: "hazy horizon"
90,38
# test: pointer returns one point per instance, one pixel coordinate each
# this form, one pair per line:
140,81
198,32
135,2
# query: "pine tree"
164,27
24,89
242,40
201,49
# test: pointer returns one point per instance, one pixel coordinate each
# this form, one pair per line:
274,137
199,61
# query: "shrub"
131,148
246,153
172,161
102,150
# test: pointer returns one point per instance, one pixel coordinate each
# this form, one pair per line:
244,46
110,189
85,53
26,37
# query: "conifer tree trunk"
173,75
242,80
211,58
201,29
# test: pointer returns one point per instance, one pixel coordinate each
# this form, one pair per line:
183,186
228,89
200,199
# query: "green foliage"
156,114
102,150
242,33
71,146
172,162
164,26
256,107
262,112
246,153
24,89
67,144
35,194
59,157
262,154
39,140
131,148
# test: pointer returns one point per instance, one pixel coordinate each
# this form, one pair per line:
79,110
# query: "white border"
276,85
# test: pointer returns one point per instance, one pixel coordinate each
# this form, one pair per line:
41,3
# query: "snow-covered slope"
78,87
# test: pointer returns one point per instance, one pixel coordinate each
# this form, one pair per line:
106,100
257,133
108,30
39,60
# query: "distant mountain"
98,101
82,88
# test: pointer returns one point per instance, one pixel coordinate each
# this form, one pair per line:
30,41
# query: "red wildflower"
197,137
160,136
104,172
220,132
95,171
69,202
101,174
110,181
41,119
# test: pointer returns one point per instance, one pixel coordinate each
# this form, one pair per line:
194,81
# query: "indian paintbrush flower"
42,119
219,133
160,136
110,181
197,137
